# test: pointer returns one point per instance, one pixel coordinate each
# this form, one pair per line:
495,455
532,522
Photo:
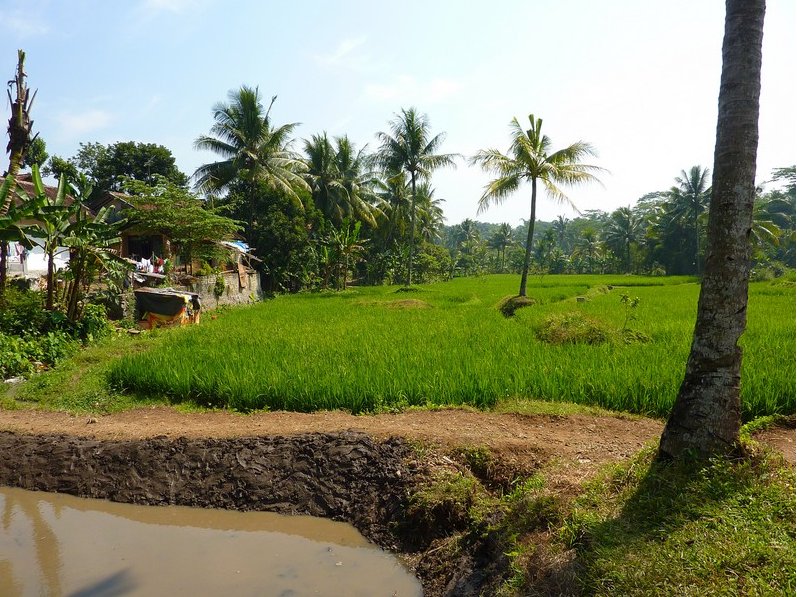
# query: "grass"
725,528
79,384
372,349
640,527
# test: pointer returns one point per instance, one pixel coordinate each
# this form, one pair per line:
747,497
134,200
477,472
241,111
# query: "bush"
20,355
23,313
94,324
574,328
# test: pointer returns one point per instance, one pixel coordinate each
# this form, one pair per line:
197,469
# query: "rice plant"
371,349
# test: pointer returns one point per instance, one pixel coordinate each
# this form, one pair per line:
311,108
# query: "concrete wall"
234,294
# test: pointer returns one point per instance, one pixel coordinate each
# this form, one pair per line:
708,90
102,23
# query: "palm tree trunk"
19,126
412,232
706,417
524,276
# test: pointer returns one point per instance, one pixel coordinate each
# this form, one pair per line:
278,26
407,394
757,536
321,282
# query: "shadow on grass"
684,527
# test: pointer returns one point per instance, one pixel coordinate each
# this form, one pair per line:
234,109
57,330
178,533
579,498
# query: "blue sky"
639,80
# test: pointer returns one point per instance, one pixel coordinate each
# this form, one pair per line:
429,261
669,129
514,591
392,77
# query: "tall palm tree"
706,417
252,148
501,239
19,139
560,227
623,230
429,213
530,160
409,147
688,200
394,197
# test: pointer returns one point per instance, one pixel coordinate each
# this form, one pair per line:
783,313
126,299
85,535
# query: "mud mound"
343,476
510,304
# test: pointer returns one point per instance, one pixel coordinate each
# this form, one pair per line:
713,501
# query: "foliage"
108,166
574,328
19,355
54,217
180,215
22,312
340,182
36,153
253,151
94,324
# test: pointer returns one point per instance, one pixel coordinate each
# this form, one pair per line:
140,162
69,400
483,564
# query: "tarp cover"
163,302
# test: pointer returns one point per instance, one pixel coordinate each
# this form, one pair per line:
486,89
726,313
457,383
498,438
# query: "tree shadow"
118,583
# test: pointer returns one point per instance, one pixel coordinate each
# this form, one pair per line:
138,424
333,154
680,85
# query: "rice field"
373,348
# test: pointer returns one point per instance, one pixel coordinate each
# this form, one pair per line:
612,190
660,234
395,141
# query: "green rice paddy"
373,348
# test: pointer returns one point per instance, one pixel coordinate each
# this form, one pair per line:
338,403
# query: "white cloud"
75,125
406,88
173,6
24,26
342,55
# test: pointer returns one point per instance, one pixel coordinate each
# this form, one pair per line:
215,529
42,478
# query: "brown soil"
361,469
576,444
780,439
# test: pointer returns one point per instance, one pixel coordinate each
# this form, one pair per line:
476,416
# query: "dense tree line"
322,212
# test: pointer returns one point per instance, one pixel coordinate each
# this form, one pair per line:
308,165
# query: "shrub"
94,324
574,328
23,312
14,356
19,355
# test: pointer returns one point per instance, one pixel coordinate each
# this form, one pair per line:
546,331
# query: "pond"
56,544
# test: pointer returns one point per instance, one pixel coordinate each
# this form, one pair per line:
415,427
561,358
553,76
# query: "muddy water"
56,544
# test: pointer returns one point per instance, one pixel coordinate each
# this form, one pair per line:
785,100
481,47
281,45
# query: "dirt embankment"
358,469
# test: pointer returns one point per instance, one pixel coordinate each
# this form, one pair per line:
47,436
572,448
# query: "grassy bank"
640,527
375,348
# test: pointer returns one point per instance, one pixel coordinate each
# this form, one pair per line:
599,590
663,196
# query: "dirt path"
577,444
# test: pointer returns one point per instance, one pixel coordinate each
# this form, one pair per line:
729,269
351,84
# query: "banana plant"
53,219
92,241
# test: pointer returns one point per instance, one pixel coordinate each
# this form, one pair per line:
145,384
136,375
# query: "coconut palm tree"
688,200
19,139
500,240
623,230
530,160
409,147
394,197
560,227
252,149
340,181
429,213
706,418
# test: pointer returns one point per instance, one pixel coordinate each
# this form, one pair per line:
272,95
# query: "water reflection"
54,544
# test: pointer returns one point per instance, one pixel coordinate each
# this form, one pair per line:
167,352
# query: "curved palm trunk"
412,232
706,417
524,276
19,126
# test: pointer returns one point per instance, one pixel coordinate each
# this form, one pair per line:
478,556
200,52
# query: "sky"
637,80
